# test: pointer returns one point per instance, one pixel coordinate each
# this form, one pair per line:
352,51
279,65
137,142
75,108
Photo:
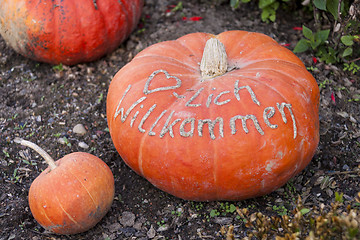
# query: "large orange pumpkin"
67,31
233,120
72,194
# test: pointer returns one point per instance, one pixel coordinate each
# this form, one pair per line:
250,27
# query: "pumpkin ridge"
34,185
266,85
266,46
136,15
306,88
173,49
248,56
106,44
304,72
28,44
239,40
254,62
95,205
165,57
215,152
295,81
189,49
254,70
56,34
80,30
67,214
129,21
141,146
313,113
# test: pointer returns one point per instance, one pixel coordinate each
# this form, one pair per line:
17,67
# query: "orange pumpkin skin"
74,196
239,135
67,31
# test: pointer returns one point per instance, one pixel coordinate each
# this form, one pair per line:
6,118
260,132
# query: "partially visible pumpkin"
223,117
67,31
72,194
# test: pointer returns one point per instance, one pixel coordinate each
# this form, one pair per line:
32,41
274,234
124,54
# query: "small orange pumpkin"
223,117
67,31
72,194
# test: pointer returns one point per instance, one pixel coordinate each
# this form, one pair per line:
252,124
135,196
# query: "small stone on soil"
79,129
83,145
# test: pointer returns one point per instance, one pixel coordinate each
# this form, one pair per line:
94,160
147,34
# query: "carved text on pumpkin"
189,123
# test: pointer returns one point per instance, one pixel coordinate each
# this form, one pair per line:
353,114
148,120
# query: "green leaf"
178,7
315,44
332,7
272,17
265,15
304,211
265,3
307,33
320,4
214,213
301,46
232,208
234,3
347,40
339,197
58,67
322,35
347,52
329,55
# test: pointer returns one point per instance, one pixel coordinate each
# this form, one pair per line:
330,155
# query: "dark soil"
42,104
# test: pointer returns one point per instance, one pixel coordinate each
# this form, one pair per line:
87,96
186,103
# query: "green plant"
66,141
356,98
214,213
339,197
351,67
281,210
324,83
268,8
29,162
57,135
176,213
100,98
13,117
58,68
348,41
15,177
21,126
178,7
6,153
198,206
319,222
160,223
339,42
312,39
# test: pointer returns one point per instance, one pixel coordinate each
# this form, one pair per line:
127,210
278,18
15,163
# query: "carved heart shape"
168,76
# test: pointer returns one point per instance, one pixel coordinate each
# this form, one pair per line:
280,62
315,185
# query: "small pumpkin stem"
214,60
49,160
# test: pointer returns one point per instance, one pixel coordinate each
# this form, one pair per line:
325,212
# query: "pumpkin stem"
49,160
214,59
